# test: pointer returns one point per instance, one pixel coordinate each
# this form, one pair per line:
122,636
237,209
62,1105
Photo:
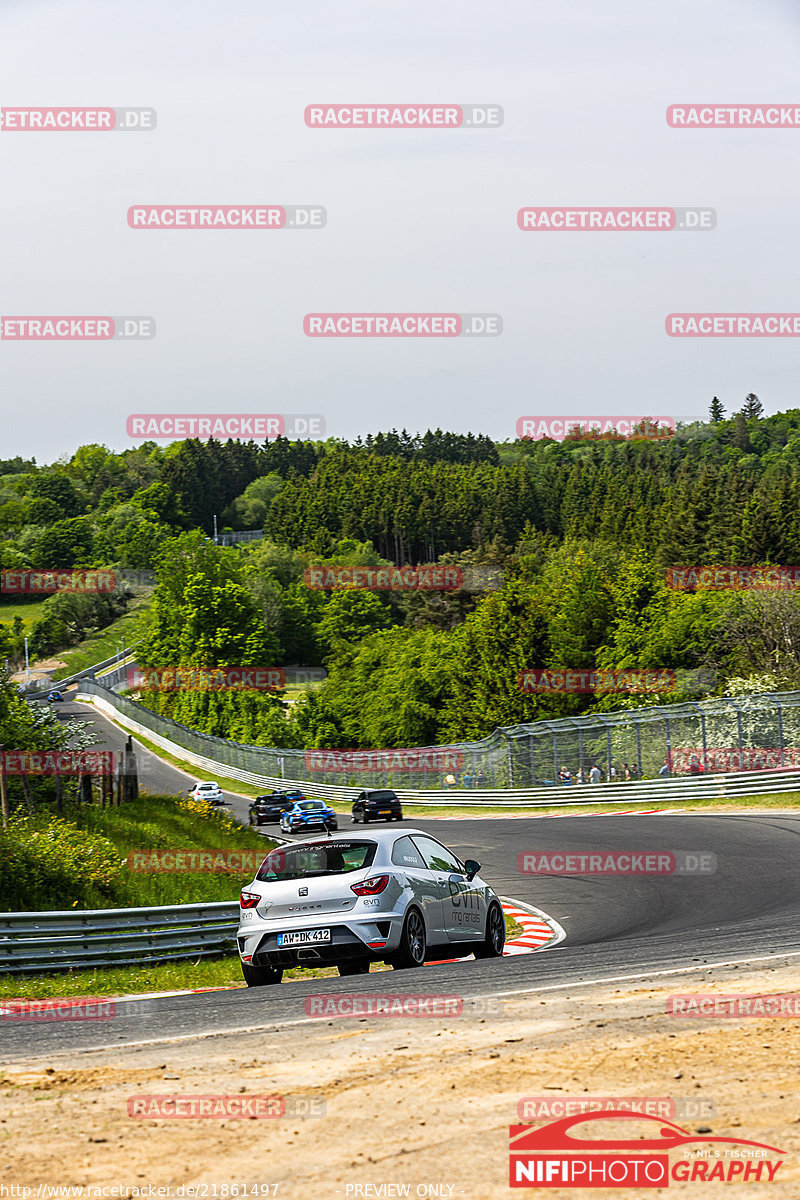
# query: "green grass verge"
29,610
163,977
101,645
81,861
164,823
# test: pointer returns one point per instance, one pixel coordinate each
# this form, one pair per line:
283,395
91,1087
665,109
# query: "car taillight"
370,887
249,899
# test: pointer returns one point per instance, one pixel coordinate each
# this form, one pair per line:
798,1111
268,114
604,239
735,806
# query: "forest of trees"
578,533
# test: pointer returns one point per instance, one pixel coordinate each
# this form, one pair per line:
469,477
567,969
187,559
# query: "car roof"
376,835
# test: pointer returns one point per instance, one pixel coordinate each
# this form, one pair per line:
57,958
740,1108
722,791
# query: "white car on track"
391,895
208,791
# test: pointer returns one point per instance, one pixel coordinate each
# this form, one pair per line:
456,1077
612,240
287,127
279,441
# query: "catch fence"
745,734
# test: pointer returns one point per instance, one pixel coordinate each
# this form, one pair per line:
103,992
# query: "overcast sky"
418,220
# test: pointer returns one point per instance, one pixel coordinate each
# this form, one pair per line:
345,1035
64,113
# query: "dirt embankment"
419,1103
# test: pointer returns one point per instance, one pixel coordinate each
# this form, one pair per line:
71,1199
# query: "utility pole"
215,529
27,664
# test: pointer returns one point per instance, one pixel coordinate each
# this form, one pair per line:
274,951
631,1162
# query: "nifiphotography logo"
553,1157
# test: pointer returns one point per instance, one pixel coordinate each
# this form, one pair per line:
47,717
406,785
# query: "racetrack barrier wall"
276,768
42,941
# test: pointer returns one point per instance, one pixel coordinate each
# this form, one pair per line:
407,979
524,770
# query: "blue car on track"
308,814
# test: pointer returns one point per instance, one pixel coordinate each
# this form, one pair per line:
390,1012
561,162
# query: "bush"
46,863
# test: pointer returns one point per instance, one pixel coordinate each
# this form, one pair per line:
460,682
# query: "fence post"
4,809
780,731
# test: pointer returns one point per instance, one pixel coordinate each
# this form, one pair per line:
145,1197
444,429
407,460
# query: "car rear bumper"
374,936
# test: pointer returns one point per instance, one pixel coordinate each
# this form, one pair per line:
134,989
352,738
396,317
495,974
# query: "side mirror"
471,868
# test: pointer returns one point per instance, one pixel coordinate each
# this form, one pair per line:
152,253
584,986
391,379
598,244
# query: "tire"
357,966
354,818
398,816
366,819
495,939
413,943
261,976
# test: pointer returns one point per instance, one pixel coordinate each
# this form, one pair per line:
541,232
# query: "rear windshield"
311,805
380,797
325,858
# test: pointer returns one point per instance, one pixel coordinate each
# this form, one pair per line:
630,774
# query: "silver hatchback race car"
400,897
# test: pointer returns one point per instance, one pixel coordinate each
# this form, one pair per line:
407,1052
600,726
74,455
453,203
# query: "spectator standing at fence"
665,772
595,775
612,774
482,780
626,771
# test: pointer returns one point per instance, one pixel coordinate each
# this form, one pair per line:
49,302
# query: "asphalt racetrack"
616,927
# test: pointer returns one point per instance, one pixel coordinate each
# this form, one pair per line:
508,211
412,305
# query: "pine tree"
716,411
741,438
752,408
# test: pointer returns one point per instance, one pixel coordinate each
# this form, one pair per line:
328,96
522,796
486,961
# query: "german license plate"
304,937
385,812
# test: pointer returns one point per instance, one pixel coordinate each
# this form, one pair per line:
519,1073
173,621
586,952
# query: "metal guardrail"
105,668
42,941
673,790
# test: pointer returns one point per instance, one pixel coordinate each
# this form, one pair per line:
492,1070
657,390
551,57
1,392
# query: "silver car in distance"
390,895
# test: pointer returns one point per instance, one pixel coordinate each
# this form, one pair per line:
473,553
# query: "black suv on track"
377,805
267,810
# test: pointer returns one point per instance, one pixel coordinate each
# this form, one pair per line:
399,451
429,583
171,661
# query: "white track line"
274,1026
